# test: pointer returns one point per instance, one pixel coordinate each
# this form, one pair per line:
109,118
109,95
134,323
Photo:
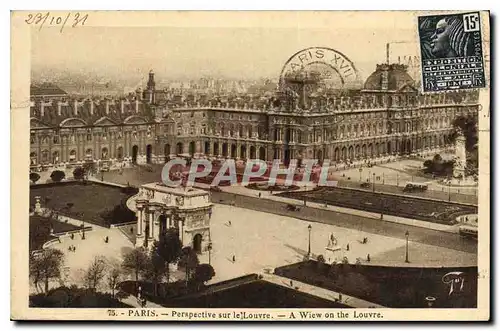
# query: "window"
55,139
32,139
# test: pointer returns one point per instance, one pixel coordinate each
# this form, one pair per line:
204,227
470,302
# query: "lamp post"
407,234
309,247
373,184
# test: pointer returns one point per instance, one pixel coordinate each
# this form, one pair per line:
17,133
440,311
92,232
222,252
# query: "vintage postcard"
250,166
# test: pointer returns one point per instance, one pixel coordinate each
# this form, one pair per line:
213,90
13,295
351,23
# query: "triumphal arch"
159,207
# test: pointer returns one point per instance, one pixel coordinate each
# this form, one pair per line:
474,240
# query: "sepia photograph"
277,166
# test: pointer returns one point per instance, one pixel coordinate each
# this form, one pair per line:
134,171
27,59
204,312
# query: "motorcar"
292,207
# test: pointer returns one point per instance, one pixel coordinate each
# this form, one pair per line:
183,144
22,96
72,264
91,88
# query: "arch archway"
55,157
135,151
179,148
363,151
357,152
377,149
243,152
149,152
89,154
389,147
370,149
344,153
162,220
33,158
192,148
408,146
351,153
207,148
197,243
216,149
119,153
104,153
224,150
72,155
252,152
233,151
336,154
262,153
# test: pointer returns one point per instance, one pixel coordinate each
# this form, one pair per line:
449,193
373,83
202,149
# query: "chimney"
385,78
59,105
75,107
137,106
107,107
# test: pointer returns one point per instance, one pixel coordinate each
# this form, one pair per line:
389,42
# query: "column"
139,222
151,224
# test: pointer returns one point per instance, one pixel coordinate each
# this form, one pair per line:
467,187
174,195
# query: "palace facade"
387,117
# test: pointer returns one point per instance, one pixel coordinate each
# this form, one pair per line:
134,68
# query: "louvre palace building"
386,117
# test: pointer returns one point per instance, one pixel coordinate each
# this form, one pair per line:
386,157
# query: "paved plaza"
260,241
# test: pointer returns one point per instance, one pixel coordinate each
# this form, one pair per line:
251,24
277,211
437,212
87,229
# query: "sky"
194,52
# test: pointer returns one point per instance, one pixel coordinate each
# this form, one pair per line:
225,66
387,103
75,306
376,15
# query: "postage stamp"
250,166
451,52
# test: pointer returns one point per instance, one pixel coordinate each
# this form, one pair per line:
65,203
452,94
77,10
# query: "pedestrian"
229,223
381,216
347,246
131,230
234,258
106,240
291,283
368,258
260,195
72,236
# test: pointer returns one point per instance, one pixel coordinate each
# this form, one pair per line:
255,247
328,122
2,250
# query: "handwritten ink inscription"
49,19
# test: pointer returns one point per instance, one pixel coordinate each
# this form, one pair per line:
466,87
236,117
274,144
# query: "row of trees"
145,265
79,173
155,265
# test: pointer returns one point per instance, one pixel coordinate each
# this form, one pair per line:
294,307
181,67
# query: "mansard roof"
46,89
92,112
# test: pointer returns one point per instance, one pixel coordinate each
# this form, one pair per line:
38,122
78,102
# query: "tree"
169,248
57,176
45,266
34,177
155,270
437,158
113,278
78,173
189,261
95,273
203,273
135,261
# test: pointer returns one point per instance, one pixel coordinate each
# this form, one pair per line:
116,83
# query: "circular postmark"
320,66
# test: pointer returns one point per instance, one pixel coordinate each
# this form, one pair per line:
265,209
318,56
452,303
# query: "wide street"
369,225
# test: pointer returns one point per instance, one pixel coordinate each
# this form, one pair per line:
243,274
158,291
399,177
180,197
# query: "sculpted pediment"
104,121
35,123
134,119
71,122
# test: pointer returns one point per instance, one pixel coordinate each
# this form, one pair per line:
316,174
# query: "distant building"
387,118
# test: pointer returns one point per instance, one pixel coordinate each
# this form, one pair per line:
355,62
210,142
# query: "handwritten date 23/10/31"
48,19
